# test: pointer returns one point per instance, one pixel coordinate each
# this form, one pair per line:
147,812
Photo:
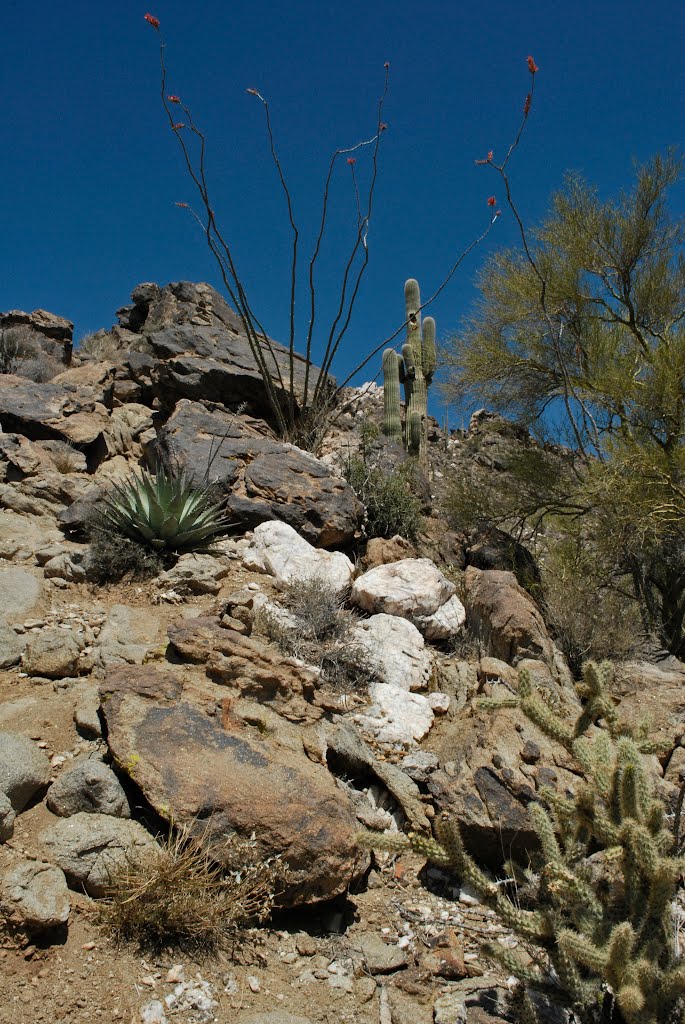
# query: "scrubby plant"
22,354
113,556
109,345
391,505
319,630
600,926
179,896
167,510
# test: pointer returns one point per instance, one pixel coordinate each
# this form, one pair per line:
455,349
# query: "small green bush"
391,507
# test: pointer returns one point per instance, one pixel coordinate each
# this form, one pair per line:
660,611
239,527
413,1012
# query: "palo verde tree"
582,331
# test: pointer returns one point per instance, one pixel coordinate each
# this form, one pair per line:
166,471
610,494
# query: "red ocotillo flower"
174,99
184,206
151,20
176,127
532,66
492,201
351,160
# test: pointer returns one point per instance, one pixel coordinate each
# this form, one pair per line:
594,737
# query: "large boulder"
207,760
201,348
493,765
277,549
395,651
267,479
505,617
20,594
415,589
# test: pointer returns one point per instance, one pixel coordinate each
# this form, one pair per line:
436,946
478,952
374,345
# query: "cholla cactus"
598,926
415,369
166,510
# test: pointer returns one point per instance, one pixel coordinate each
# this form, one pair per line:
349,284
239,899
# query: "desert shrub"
595,907
318,630
113,556
22,354
167,510
391,506
589,609
108,345
178,896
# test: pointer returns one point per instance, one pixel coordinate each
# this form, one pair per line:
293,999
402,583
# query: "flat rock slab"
267,479
216,774
20,593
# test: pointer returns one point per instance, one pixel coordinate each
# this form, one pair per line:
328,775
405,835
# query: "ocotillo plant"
301,414
415,369
600,929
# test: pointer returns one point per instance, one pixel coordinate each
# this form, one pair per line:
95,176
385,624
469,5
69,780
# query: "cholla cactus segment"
603,885
166,510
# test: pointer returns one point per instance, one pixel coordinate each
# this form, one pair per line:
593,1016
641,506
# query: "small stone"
531,752
253,983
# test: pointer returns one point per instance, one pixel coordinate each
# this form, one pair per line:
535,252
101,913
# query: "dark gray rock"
267,479
91,787
24,769
202,350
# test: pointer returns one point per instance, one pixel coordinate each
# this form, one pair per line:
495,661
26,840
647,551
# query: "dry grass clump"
106,346
65,458
319,631
180,897
22,354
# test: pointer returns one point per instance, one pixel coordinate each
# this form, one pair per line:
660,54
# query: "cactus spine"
610,928
415,368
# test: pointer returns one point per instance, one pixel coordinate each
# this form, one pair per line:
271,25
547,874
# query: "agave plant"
165,510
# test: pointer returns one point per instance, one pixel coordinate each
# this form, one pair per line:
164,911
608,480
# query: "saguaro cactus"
415,368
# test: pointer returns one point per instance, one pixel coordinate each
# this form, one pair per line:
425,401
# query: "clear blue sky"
90,172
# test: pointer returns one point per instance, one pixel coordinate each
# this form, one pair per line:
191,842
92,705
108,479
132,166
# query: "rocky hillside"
204,697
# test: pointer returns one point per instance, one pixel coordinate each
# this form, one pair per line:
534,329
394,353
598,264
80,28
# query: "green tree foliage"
582,332
595,907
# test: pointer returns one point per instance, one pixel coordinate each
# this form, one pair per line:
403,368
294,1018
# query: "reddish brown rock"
505,617
232,772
